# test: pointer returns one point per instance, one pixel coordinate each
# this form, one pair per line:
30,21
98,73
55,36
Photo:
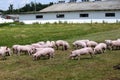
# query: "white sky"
4,4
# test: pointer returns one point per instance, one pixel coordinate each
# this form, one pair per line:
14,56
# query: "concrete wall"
71,17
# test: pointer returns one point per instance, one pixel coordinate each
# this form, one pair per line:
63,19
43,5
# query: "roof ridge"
98,5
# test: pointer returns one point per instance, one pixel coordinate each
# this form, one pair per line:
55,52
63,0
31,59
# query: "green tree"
11,8
31,7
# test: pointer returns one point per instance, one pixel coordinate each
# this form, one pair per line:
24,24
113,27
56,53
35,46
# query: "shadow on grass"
3,59
116,67
42,58
113,78
87,58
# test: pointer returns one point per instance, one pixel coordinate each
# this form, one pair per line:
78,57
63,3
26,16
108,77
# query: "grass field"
59,68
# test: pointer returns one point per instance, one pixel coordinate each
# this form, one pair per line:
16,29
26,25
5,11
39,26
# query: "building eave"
82,10
68,11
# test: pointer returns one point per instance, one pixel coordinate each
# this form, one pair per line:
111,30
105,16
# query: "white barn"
77,12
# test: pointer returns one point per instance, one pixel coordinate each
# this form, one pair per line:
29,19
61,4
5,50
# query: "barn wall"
71,17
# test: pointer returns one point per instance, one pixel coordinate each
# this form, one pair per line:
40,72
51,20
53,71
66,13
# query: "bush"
36,23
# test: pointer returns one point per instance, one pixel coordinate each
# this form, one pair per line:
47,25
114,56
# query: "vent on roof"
61,1
72,1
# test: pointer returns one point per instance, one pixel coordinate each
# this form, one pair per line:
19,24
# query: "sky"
4,4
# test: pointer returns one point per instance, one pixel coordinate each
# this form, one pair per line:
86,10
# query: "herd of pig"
47,49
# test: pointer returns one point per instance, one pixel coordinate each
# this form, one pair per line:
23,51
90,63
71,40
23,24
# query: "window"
84,15
109,14
60,15
73,1
39,16
85,0
97,0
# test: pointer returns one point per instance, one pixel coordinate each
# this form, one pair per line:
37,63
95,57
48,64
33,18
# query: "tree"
11,8
1,10
31,7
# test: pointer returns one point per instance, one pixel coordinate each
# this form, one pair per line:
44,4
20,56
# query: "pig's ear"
6,47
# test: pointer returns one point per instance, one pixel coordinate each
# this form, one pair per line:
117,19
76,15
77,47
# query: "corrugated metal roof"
83,6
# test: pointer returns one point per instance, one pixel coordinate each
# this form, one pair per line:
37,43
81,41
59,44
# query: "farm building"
3,20
14,17
76,12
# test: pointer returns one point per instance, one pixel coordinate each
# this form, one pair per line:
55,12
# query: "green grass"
59,68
